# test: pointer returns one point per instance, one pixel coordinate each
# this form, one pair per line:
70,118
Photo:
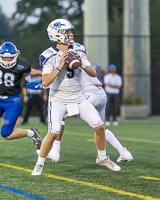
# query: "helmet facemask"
8,50
62,37
57,30
67,35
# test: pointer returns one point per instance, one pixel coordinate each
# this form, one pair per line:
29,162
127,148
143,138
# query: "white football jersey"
66,88
88,82
94,93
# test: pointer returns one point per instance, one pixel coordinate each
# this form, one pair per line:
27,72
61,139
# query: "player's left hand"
34,85
79,58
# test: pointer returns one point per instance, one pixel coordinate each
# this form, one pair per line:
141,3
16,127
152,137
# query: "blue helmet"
8,49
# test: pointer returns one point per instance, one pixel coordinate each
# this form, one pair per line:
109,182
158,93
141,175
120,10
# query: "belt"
3,97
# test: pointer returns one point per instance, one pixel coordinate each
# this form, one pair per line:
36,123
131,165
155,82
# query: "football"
72,60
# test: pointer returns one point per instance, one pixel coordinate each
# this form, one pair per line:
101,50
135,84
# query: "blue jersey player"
11,72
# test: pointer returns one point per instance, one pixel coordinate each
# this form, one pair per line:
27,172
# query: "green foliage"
129,100
115,23
46,11
154,17
138,100
115,10
32,39
155,31
5,30
32,47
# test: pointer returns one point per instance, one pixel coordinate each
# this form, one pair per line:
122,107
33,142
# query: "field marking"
79,134
20,192
102,187
139,140
131,139
121,138
149,178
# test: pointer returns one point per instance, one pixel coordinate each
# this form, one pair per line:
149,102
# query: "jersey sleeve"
23,66
24,82
28,69
84,58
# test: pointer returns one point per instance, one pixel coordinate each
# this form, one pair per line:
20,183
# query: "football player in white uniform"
96,95
66,95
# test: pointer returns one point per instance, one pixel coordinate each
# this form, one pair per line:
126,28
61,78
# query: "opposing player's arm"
35,72
25,96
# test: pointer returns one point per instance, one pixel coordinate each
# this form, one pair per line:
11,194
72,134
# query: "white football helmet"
8,49
57,29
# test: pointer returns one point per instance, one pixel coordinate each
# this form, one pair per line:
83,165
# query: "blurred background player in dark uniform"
11,72
34,97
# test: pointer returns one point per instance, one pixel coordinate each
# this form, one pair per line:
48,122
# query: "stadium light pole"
136,50
96,31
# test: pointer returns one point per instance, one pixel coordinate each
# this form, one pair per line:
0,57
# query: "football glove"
34,85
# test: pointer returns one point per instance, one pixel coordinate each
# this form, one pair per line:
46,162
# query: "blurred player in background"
34,97
11,72
113,84
66,95
100,73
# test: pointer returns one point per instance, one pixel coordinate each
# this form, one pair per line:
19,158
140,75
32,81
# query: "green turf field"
76,176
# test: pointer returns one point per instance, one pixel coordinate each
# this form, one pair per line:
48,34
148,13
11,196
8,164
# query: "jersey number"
8,79
70,73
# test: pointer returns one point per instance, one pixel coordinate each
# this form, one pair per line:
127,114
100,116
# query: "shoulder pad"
81,48
23,65
48,52
46,55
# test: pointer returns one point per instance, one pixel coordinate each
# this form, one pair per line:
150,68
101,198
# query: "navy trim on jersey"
82,51
55,49
78,44
43,60
71,47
